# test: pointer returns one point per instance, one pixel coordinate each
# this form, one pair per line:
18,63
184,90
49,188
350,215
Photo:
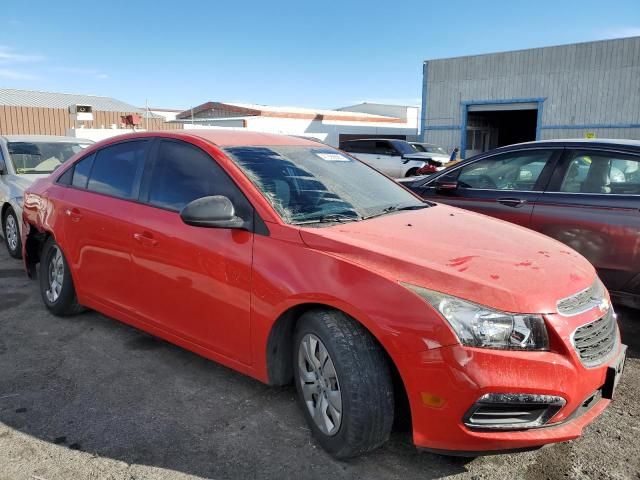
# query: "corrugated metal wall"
56,121
587,87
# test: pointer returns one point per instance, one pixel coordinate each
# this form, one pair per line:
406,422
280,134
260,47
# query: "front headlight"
480,326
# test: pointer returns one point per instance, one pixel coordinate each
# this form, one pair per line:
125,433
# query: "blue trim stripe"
504,101
442,127
463,130
425,91
592,125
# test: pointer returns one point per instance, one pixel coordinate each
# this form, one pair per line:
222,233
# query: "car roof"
590,141
238,138
44,138
375,139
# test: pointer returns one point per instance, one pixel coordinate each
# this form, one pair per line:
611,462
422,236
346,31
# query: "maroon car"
585,193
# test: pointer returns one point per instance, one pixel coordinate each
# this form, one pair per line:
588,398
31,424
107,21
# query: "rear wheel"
412,173
12,233
344,383
56,284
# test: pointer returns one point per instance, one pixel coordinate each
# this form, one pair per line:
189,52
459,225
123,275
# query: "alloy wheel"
320,386
11,232
55,274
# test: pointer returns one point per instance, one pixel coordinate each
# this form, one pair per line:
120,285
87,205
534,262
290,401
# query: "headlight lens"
480,326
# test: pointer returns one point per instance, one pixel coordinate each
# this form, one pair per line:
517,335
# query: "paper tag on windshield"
333,157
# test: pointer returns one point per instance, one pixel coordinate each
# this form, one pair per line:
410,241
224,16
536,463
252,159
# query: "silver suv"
23,159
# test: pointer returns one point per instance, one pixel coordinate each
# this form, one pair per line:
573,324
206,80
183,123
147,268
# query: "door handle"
73,214
145,239
512,202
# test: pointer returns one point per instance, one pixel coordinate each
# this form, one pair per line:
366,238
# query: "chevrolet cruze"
291,261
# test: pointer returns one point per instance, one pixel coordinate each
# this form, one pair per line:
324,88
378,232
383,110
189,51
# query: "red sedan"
288,261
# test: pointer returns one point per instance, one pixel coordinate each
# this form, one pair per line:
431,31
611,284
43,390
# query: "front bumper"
443,384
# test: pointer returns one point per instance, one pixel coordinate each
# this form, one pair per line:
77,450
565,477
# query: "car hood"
426,155
19,183
461,253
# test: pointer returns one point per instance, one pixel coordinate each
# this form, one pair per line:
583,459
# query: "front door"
505,185
192,281
593,205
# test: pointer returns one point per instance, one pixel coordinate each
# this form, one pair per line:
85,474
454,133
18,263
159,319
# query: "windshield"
315,184
403,147
41,157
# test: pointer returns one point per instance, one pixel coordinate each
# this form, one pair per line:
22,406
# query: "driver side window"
509,171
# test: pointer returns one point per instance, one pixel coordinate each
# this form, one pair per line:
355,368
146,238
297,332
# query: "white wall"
409,114
168,115
97,134
327,131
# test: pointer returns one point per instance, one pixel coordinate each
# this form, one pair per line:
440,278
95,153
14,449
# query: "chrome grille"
583,301
596,340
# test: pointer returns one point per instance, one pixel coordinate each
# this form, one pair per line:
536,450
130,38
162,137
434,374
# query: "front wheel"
12,233
344,383
56,284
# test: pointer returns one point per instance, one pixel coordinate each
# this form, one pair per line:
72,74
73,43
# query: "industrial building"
584,90
363,120
30,112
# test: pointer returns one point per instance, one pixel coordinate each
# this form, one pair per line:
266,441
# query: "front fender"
286,275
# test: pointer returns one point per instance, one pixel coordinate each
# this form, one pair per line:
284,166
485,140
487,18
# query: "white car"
395,158
23,159
436,152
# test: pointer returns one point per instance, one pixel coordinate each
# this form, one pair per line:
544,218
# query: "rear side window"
183,173
384,148
359,146
81,171
117,169
604,173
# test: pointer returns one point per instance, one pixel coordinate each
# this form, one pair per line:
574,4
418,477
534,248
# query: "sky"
319,54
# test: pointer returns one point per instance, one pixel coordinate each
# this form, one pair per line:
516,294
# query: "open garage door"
495,125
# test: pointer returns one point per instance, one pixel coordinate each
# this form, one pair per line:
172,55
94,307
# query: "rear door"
192,281
504,185
99,216
593,205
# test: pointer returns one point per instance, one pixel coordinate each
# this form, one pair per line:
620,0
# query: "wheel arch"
279,354
3,211
34,242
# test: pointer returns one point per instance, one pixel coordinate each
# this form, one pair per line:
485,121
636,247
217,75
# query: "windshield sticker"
333,157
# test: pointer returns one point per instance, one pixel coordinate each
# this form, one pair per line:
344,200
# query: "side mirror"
212,212
446,185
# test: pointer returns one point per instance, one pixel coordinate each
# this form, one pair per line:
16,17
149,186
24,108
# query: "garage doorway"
490,126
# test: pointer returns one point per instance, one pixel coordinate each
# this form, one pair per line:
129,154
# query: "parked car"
436,152
24,158
288,260
585,193
395,158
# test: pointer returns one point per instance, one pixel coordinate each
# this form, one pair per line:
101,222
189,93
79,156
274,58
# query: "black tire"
411,173
10,216
364,378
66,302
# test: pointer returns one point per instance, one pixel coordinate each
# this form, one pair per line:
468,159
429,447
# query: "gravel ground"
90,398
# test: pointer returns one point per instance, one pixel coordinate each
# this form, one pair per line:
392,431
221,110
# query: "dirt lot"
88,397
